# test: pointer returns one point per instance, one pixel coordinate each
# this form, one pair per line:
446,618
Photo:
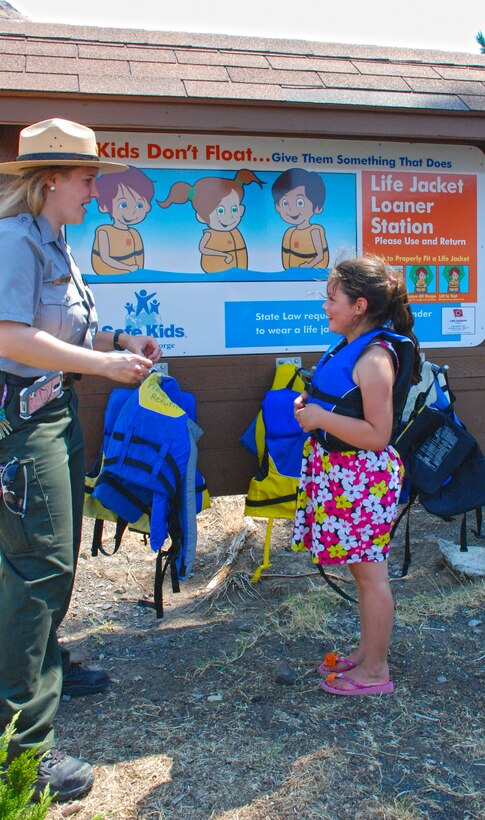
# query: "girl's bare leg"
376,608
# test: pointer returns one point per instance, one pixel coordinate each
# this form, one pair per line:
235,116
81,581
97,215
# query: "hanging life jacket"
332,387
149,472
277,439
92,506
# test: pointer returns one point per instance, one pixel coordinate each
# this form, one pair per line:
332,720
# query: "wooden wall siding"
229,390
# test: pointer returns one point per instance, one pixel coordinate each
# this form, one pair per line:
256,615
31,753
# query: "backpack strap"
407,541
478,515
477,533
335,586
463,538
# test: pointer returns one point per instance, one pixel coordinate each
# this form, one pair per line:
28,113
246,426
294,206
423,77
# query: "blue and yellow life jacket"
277,439
149,472
333,388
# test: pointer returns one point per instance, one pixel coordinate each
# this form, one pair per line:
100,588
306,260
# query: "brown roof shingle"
50,58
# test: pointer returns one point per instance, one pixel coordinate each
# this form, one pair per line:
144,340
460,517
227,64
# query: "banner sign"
223,244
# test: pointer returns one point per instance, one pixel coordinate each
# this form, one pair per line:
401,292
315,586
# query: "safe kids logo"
142,317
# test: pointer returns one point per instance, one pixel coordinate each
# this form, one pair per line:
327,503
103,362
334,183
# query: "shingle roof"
61,59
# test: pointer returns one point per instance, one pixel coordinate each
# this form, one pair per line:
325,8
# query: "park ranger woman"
48,328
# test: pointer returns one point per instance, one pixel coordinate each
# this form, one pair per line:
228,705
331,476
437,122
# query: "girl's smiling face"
228,213
344,317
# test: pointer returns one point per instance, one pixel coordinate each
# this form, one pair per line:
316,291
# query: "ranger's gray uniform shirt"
41,286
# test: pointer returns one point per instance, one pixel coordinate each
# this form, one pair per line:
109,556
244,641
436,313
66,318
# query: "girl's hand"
301,401
309,416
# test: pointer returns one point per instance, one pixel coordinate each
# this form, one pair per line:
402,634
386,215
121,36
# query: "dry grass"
195,726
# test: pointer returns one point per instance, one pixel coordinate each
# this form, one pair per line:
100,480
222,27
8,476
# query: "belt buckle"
69,379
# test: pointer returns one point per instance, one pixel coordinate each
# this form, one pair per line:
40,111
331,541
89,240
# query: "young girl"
351,476
217,202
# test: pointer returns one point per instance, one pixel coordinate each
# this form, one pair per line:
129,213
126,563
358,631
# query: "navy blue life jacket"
333,388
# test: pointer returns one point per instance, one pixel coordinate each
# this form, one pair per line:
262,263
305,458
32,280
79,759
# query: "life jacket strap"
108,478
160,570
177,537
281,499
97,542
348,402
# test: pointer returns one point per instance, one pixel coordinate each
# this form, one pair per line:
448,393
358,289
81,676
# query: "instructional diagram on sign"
220,245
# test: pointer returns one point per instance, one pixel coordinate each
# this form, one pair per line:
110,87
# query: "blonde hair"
27,193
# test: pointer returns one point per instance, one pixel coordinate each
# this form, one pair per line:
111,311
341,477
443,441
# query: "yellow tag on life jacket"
152,397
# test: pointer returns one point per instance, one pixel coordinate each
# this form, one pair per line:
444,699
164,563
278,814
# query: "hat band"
60,155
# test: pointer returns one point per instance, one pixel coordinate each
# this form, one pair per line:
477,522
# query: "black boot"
66,775
78,681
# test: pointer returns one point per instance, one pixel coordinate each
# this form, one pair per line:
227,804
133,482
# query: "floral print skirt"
347,503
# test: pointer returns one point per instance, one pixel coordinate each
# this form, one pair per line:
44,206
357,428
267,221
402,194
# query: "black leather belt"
26,381
19,381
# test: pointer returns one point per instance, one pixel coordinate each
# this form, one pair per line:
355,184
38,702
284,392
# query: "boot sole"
82,691
64,796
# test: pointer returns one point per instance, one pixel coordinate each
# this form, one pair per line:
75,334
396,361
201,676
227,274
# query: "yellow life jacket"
277,439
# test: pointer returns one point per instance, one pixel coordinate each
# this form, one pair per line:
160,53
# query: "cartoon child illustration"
299,195
453,276
126,197
217,203
421,276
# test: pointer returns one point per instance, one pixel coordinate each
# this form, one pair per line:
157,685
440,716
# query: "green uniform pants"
38,555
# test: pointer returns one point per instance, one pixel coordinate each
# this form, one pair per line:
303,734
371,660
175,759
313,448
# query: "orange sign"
425,225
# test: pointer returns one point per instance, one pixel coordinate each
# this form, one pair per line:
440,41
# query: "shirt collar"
45,230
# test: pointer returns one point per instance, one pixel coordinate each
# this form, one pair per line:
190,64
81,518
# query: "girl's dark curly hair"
373,279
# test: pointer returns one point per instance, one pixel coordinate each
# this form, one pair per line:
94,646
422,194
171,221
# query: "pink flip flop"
357,688
331,660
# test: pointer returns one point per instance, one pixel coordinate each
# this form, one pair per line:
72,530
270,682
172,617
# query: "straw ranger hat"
57,142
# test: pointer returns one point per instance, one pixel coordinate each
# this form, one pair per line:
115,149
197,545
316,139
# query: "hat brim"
18,168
